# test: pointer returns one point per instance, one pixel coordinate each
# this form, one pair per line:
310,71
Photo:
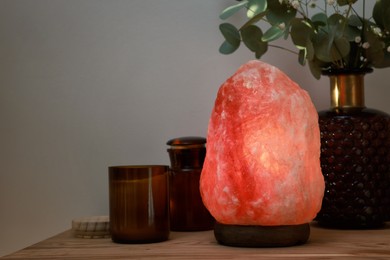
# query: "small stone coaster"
261,236
91,227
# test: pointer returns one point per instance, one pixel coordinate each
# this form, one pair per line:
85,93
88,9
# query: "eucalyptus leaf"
355,21
351,33
386,14
255,7
374,53
254,20
280,12
381,14
286,31
340,49
232,10
385,61
227,48
302,57
322,49
261,51
336,25
310,50
319,20
300,32
377,14
231,34
315,68
328,49
272,34
320,17
251,36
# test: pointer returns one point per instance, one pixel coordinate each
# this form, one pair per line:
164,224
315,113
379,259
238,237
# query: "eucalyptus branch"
347,15
326,8
282,48
301,11
307,9
330,44
364,9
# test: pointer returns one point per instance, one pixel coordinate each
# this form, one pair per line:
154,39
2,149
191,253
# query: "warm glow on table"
322,244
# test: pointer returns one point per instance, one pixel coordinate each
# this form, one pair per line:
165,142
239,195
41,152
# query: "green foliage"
232,38
331,36
252,38
232,10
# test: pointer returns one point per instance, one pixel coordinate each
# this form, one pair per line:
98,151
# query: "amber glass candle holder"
139,203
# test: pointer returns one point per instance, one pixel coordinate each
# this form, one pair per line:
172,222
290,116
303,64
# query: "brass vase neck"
347,91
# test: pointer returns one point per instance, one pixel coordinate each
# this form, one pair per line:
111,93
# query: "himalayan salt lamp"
261,178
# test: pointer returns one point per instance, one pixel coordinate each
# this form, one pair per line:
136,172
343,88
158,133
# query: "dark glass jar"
187,212
355,157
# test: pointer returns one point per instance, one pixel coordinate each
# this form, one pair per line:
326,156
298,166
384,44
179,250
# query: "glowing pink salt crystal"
262,165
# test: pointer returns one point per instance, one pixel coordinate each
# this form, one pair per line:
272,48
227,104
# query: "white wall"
91,83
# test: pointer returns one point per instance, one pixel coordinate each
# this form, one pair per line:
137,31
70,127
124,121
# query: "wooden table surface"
322,244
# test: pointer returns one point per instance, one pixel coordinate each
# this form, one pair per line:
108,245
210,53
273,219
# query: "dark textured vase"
355,157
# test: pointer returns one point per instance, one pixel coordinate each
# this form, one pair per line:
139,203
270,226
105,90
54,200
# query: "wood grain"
322,244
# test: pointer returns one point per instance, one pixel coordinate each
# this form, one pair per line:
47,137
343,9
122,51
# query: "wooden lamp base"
261,236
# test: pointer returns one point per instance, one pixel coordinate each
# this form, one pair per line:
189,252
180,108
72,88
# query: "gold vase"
355,157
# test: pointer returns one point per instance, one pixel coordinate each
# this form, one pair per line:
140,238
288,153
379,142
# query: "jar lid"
187,152
187,142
